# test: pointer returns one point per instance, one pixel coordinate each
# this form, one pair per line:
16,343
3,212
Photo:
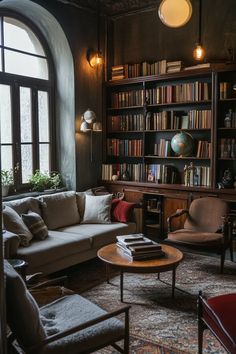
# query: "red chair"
218,314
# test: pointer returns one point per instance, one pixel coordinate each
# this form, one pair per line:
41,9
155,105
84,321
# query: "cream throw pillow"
97,209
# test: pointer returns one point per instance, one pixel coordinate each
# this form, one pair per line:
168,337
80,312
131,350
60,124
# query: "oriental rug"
159,324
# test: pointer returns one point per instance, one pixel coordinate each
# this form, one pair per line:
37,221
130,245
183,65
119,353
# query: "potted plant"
7,180
43,181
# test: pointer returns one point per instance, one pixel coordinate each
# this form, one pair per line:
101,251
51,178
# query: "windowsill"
31,194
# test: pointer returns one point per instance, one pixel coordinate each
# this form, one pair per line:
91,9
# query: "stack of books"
139,247
118,72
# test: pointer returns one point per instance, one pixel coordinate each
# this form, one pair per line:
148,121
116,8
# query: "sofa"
55,231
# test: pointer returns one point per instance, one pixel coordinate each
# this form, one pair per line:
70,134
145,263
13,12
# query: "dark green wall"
142,36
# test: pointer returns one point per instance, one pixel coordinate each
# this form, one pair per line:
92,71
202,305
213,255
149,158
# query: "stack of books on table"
139,247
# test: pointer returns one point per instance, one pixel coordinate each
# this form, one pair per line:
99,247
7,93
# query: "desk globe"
182,144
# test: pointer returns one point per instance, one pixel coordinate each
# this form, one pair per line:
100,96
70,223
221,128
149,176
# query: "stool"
218,314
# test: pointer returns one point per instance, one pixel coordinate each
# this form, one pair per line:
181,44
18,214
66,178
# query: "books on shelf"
139,247
198,66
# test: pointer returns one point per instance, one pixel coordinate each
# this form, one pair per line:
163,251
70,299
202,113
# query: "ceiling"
113,7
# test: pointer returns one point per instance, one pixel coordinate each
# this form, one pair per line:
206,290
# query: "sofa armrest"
11,243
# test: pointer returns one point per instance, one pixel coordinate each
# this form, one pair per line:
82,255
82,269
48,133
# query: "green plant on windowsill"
44,181
7,180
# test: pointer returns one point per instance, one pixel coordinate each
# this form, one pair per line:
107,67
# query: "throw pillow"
21,206
35,224
97,209
121,210
60,209
13,223
80,198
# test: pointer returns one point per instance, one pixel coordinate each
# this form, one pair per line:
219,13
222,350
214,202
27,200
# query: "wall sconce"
175,13
199,51
94,57
88,124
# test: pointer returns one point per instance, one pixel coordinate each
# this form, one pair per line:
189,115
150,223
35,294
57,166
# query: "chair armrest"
34,281
54,337
178,213
11,243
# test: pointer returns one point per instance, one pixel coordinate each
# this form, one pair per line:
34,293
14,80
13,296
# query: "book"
128,240
198,66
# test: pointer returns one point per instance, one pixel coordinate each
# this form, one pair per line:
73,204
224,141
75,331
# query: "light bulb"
198,52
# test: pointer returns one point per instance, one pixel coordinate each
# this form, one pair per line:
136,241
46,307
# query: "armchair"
218,315
71,324
208,226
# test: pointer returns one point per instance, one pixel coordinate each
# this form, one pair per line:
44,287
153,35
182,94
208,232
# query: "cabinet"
152,219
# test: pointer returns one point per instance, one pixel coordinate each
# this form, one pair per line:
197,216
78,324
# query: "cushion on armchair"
60,209
22,310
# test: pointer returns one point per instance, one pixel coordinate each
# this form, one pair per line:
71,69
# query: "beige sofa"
78,225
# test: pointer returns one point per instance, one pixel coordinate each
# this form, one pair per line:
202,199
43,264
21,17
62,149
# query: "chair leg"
126,339
200,336
222,261
231,251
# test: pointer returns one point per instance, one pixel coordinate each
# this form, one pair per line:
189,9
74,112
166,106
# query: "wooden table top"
114,255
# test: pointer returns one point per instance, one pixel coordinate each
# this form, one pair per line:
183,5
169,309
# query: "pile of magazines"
139,247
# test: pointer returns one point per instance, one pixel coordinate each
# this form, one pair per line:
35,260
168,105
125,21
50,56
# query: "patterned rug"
159,324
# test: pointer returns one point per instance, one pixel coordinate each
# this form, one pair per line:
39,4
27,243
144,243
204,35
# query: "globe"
182,144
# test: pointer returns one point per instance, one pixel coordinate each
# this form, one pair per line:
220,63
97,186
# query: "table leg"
107,273
121,285
173,281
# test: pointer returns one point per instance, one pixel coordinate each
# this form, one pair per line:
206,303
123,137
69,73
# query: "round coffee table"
113,256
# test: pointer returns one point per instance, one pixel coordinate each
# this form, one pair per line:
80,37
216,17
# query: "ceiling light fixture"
199,51
175,13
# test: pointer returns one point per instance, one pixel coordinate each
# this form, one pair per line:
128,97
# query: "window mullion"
15,95
35,135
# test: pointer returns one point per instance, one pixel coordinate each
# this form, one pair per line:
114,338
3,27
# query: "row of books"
163,174
126,122
163,148
124,147
204,149
138,247
127,98
184,92
227,148
225,90
119,72
135,171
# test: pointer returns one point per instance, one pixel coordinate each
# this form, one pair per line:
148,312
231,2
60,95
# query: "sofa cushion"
22,206
60,209
80,198
121,210
97,209
36,225
56,246
13,223
22,310
102,234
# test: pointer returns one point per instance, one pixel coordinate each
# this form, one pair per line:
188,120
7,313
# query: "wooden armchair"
208,226
71,324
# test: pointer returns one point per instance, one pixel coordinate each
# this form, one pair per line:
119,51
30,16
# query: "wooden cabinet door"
170,204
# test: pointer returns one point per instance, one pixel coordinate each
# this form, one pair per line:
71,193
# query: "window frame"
35,84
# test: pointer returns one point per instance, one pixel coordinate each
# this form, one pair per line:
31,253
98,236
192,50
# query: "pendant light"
94,57
199,51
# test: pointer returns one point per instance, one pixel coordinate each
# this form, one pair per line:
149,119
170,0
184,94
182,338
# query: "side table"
19,265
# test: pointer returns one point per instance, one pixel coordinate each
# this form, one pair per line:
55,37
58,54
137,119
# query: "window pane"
25,114
26,162
6,157
18,36
43,115
44,162
26,65
0,59
5,114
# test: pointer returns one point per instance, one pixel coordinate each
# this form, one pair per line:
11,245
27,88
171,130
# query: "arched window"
26,87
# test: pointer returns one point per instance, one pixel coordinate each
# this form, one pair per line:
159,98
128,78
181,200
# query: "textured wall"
142,36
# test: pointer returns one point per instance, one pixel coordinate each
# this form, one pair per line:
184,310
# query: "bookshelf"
148,111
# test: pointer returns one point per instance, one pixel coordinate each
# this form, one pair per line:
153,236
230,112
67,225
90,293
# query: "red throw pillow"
121,210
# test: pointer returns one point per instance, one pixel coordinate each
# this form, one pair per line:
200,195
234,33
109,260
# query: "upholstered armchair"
68,325
208,226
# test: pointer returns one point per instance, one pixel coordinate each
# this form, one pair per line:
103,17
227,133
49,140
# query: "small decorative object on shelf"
228,119
227,179
182,144
114,177
126,175
190,173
